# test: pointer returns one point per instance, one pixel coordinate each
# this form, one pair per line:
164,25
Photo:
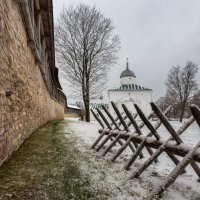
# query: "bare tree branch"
181,84
85,50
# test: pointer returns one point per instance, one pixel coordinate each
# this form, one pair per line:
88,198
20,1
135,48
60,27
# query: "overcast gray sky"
155,35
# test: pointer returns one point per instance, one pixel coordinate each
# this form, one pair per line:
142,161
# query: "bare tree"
196,98
170,99
181,82
86,49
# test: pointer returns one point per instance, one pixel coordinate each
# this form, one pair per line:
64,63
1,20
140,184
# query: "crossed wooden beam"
118,131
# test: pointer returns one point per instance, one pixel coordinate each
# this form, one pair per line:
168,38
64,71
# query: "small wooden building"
72,111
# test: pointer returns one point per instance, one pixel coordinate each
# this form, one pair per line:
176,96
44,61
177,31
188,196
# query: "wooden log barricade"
119,131
106,124
126,129
152,132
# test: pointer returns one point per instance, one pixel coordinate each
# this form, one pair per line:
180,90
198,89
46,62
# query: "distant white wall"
127,80
141,98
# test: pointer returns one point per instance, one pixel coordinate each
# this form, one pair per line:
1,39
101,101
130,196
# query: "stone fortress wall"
25,100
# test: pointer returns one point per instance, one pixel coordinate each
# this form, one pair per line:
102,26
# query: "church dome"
127,72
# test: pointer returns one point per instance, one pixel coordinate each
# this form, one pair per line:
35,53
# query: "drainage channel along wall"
30,94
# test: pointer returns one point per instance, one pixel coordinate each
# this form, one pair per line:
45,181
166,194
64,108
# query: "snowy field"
112,177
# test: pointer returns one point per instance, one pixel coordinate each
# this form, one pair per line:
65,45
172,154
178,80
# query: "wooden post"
109,135
174,135
148,162
103,133
103,142
132,120
147,122
107,138
148,117
171,147
104,119
126,128
141,146
124,118
190,155
196,113
120,117
96,117
137,130
98,139
117,118
111,118
174,174
161,149
166,123
118,137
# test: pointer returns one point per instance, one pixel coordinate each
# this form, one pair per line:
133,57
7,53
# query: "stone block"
2,91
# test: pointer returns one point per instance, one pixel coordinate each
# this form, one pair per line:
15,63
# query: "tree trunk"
87,100
87,112
87,108
182,111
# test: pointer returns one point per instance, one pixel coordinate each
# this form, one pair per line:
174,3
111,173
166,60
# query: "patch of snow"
73,106
73,119
112,176
126,99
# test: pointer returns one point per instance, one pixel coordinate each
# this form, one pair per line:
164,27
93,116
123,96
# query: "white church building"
128,93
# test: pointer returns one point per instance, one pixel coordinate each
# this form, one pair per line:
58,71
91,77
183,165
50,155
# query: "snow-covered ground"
112,177
72,119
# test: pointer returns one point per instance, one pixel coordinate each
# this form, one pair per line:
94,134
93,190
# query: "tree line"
181,90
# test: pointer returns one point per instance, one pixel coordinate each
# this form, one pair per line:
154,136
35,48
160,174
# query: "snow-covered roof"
73,106
130,87
98,105
126,99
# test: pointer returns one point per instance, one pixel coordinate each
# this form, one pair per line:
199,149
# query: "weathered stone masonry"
30,93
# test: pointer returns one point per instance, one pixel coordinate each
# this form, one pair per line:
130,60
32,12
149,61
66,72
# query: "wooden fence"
119,131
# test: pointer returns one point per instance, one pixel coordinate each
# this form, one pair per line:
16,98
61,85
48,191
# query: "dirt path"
47,166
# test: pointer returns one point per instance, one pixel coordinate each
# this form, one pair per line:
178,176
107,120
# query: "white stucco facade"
127,80
140,97
128,93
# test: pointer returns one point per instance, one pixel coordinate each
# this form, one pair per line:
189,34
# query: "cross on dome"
127,72
127,63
